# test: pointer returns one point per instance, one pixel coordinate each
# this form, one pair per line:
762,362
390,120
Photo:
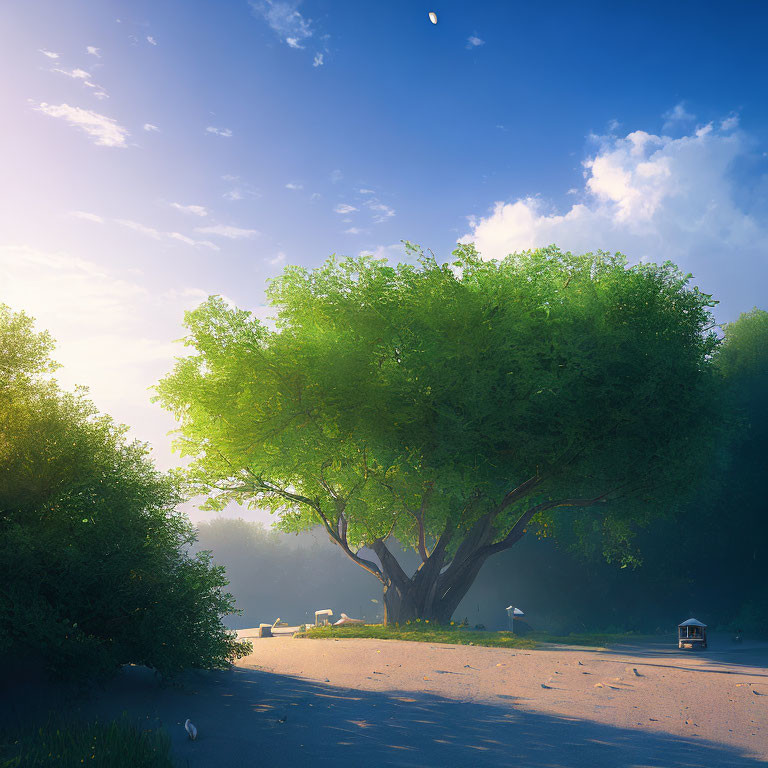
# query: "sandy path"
692,696
384,703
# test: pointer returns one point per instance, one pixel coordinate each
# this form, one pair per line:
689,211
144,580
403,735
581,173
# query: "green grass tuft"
423,633
71,744
456,635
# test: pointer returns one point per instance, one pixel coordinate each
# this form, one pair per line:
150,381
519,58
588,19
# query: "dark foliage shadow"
248,717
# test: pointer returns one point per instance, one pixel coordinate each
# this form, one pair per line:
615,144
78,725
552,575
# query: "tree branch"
391,568
518,493
419,518
518,529
341,541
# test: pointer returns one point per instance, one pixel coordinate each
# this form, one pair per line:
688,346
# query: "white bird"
190,729
433,17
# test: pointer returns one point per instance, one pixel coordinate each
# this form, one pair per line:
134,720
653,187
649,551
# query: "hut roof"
692,623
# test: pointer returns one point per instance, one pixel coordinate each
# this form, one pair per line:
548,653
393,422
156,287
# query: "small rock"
548,687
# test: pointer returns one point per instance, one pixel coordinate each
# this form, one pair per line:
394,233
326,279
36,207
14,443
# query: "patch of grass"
424,633
71,744
456,635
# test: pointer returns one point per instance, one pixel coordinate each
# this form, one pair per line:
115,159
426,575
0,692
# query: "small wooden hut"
692,634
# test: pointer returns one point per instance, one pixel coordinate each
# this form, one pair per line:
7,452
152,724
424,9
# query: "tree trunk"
422,599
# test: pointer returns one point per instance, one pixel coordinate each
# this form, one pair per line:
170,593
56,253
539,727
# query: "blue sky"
155,153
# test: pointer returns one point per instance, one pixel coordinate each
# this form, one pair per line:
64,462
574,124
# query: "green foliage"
745,353
387,387
93,567
72,744
708,559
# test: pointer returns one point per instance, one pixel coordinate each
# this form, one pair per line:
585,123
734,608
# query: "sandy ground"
382,703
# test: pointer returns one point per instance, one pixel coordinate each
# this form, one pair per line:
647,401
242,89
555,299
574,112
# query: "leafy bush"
119,744
94,568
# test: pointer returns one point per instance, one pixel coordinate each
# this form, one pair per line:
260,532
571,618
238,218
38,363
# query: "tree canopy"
452,406
94,571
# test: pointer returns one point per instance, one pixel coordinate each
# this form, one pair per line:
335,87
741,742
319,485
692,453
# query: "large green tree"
94,564
452,407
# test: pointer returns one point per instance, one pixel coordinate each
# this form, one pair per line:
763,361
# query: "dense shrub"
94,563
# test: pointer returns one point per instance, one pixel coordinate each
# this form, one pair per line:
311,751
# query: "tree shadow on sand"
248,717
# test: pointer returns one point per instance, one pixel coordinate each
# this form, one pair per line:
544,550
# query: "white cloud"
336,176
393,253
225,230
93,51
652,198
151,40
196,210
318,60
49,54
225,132
279,258
344,208
730,123
150,127
156,234
77,74
87,216
285,20
81,74
381,212
294,185
676,116
353,231
240,190
366,191
474,42
190,241
104,130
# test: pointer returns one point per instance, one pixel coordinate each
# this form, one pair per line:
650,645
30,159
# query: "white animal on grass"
346,620
190,729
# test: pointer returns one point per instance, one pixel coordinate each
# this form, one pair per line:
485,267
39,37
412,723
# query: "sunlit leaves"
382,381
